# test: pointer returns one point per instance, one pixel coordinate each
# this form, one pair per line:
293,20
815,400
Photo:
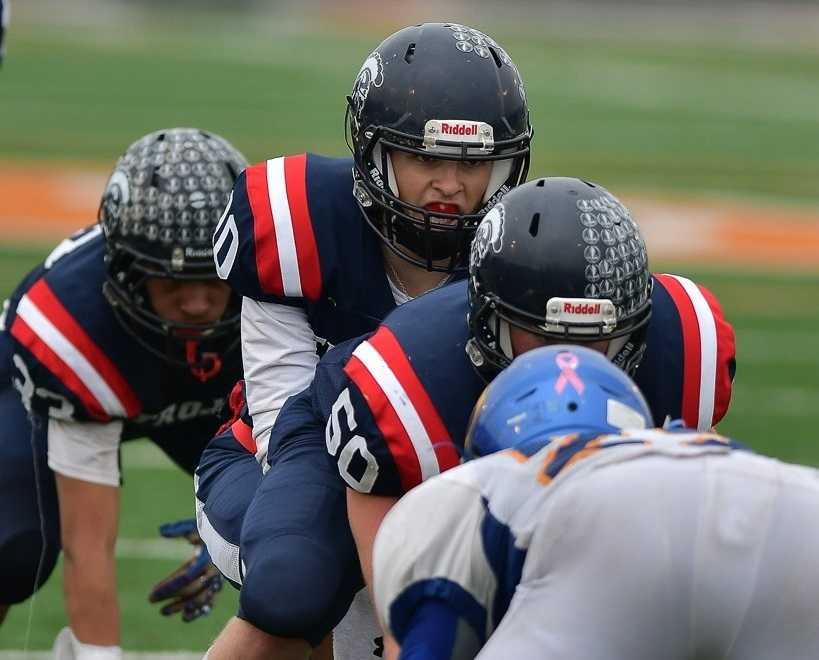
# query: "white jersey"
658,555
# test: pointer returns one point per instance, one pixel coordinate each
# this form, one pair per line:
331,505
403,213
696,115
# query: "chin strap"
203,366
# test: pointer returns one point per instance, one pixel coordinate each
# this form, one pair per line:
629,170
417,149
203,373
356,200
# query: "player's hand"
192,587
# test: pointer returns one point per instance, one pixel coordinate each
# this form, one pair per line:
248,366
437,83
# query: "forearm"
391,649
366,513
90,588
89,516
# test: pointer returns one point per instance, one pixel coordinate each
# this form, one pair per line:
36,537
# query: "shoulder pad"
706,358
59,343
408,422
267,244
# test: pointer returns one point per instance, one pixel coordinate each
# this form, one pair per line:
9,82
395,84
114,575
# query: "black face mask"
436,245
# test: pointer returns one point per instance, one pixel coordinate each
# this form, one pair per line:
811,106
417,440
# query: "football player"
590,536
124,331
558,260
322,249
393,407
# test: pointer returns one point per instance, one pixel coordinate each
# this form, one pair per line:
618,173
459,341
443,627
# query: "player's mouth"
442,207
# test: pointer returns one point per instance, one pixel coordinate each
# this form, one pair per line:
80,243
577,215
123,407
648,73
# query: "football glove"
192,587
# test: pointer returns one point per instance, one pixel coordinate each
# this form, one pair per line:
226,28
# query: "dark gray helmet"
158,213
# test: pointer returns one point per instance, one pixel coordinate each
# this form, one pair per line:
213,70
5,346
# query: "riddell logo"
458,129
581,308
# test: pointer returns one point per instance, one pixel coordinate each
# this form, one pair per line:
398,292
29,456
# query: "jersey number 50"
334,436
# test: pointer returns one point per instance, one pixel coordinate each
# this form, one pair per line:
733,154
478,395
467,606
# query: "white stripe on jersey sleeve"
403,407
285,240
69,354
708,351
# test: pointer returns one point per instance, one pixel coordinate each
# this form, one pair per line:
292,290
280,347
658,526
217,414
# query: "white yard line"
158,548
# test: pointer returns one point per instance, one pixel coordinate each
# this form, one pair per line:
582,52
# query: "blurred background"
703,117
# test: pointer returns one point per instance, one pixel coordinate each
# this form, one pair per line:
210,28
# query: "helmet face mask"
562,282
162,203
421,93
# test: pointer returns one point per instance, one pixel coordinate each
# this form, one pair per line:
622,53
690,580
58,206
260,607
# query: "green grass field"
636,114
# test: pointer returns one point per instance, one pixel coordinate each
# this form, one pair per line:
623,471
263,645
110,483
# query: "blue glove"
192,587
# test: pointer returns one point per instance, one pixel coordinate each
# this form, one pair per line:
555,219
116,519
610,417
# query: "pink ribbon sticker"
567,362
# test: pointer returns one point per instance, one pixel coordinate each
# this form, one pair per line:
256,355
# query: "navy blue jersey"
69,357
397,403
294,234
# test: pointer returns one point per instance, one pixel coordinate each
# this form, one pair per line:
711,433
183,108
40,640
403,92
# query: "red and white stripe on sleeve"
709,351
47,329
287,257
410,425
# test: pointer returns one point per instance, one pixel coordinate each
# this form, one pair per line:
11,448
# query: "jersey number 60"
334,436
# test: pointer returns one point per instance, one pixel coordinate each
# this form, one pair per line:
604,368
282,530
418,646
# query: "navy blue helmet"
437,90
553,391
560,258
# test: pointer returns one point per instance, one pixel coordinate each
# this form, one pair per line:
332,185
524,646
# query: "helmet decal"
567,362
370,75
468,40
614,252
117,196
489,234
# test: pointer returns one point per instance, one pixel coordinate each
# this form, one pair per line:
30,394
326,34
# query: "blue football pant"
29,513
298,555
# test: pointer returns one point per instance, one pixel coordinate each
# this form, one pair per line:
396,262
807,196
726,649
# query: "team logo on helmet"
116,197
370,75
488,235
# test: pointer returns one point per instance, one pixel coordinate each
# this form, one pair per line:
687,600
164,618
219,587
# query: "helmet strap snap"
203,366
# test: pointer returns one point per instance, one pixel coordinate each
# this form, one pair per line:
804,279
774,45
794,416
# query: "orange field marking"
44,203
729,233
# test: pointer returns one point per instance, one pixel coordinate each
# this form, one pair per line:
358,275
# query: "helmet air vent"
234,171
409,56
533,226
526,395
496,57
